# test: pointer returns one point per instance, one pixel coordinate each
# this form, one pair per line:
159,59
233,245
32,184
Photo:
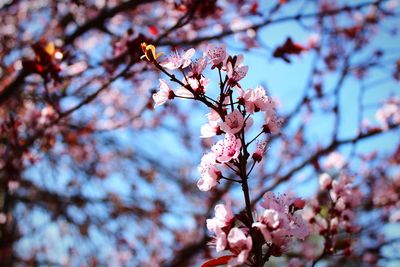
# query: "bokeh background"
92,175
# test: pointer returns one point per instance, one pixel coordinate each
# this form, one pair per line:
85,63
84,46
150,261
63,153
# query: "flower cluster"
249,239
228,116
385,194
279,223
389,113
277,226
334,211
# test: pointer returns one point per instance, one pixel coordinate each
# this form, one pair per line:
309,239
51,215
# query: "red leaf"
254,7
153,30
217,262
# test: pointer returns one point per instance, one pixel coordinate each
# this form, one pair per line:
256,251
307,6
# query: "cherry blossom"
227,149
179,60
163,94
197,67
260,150
233,123
325,181
46,115
256,100
279,222
220,224
235,69
197,85
220,240
217,54
341,187
334,160
223,216
244,96
269,220
260,101
240,245
272,124
389,113
211,128
210,175
284,218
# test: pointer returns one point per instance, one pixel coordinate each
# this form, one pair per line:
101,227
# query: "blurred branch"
98,21
270,21
315,156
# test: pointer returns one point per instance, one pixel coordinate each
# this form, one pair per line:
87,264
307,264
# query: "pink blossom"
240,245
197,85
46,115
210,175
184,92
177,60
341,187
298,228
313,40
335,161
217,54
164,94
222,219
233,122
235,70
278,203
211,128
279,221
269,220
325,181
345,198
260,101
260,150
256,100
227,149
198,67
244,96
272,124
389,113
220,240
385,192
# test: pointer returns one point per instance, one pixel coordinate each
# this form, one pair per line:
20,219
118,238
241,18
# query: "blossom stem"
209,98
237,102
244,176
255,138
184,75
220,79
196,96
242,167
230,179
251,168
230,167
184,97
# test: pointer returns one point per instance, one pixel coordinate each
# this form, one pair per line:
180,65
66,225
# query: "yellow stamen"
149,52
